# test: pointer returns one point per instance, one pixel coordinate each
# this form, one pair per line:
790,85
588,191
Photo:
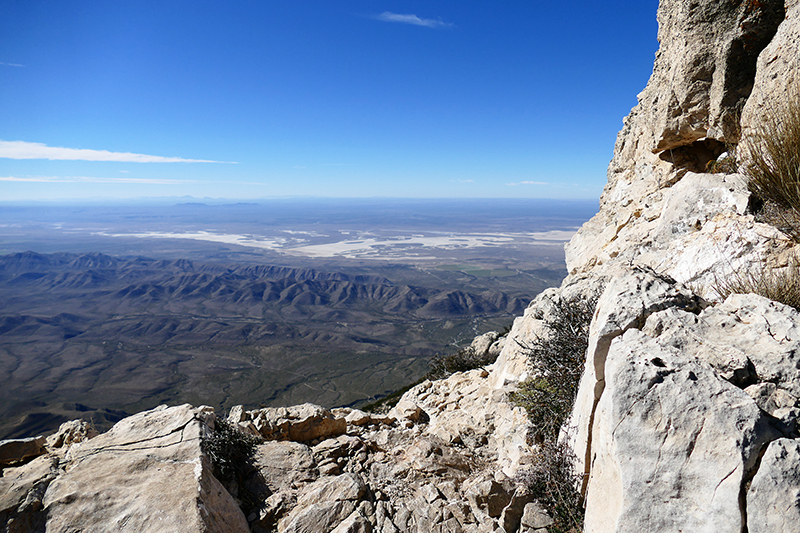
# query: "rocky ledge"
433,463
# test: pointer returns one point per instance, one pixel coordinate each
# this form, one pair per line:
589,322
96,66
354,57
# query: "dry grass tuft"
780,285
774,169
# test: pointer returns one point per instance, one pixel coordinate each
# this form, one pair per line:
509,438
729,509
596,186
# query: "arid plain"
111,309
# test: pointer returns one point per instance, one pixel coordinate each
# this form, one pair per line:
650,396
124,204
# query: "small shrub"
781,285
465,359
553,483
439,367
773,172
558,359
385,404
231,451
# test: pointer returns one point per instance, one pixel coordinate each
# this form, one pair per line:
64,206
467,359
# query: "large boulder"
626,303
147,473
299,423
70,433
672,444
696,231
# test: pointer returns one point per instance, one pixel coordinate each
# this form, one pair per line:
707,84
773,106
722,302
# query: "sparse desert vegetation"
773,169
464,359
558,359
779,284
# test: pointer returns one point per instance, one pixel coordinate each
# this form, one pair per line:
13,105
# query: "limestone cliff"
686,416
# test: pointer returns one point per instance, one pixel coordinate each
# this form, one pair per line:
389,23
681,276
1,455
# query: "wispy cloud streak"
11,64
28,150
527,183
86,179
388,16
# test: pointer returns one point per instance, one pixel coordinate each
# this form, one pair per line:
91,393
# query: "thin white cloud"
85,179
388,16
28,150
527,183
11,64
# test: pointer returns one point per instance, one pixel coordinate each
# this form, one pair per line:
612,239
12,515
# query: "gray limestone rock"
672,443
748,339
626,303
324,504
773,499
147,473
483,343
534,517
777,76
283,465
300,423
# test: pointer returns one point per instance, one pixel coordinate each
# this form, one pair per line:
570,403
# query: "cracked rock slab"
146,474
21,491
626,303
672,444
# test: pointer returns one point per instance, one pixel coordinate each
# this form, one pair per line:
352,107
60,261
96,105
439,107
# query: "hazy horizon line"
281,198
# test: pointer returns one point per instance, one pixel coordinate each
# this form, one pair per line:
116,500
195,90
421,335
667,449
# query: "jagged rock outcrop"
679,402
147,473
672,443
777,75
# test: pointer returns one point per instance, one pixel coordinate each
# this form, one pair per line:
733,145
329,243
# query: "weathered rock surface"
748,339
145,474
687,414
773,499
640,407
626,303
696,231
15,451
672,443
301,423
69,433
21,491
776,78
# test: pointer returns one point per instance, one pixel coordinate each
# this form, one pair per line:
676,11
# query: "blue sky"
258,99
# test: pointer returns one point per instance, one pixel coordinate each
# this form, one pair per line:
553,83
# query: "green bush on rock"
230,450
558,359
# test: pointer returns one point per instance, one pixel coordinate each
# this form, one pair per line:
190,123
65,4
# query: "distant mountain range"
125,333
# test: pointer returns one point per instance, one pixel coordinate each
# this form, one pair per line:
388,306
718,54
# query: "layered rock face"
687,414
